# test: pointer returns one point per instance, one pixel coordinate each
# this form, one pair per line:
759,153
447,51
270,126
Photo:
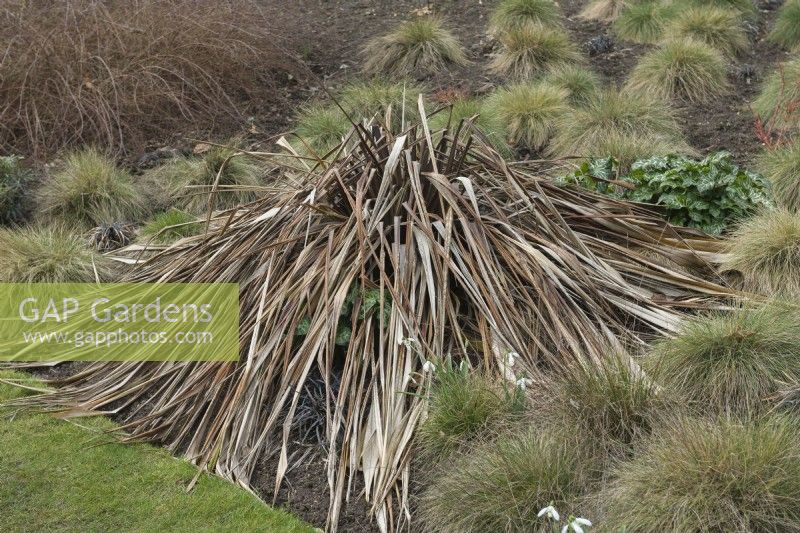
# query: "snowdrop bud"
428,367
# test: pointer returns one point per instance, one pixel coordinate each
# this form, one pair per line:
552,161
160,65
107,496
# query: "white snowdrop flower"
576,525
524,383
550,512
428,367
511,357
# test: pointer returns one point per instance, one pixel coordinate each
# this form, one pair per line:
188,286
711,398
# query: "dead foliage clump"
398,250
118,74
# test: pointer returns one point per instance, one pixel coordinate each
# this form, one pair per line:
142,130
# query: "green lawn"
55,476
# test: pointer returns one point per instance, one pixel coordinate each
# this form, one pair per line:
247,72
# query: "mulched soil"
328,36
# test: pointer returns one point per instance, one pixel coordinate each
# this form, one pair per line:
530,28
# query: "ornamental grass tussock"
49,254
511,15
787,27
643,22
531,50
778,104
188,182
719,28
503,485
731,362
465,407
89,190
621,120
416,47
703,475
781,166
528,112
580,83
765,251
681,69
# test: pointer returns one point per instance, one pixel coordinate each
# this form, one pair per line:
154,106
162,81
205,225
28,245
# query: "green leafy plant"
530,50
422,45
682,69
369,305
514,14
14,182
707,194
787,28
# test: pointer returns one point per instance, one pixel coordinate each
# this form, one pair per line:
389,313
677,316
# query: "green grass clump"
531,50
365,99
49,254
170,226
603,10
611,402
60,476
581,83
787,28
747,8
88,191
781,166
719,28
419,46
503,485
528,112
698,475
681,69
627,148
778,105
644,22
622,124
512,15
322,127
731,362
766,251
189,180
14,182
465,407
471,108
